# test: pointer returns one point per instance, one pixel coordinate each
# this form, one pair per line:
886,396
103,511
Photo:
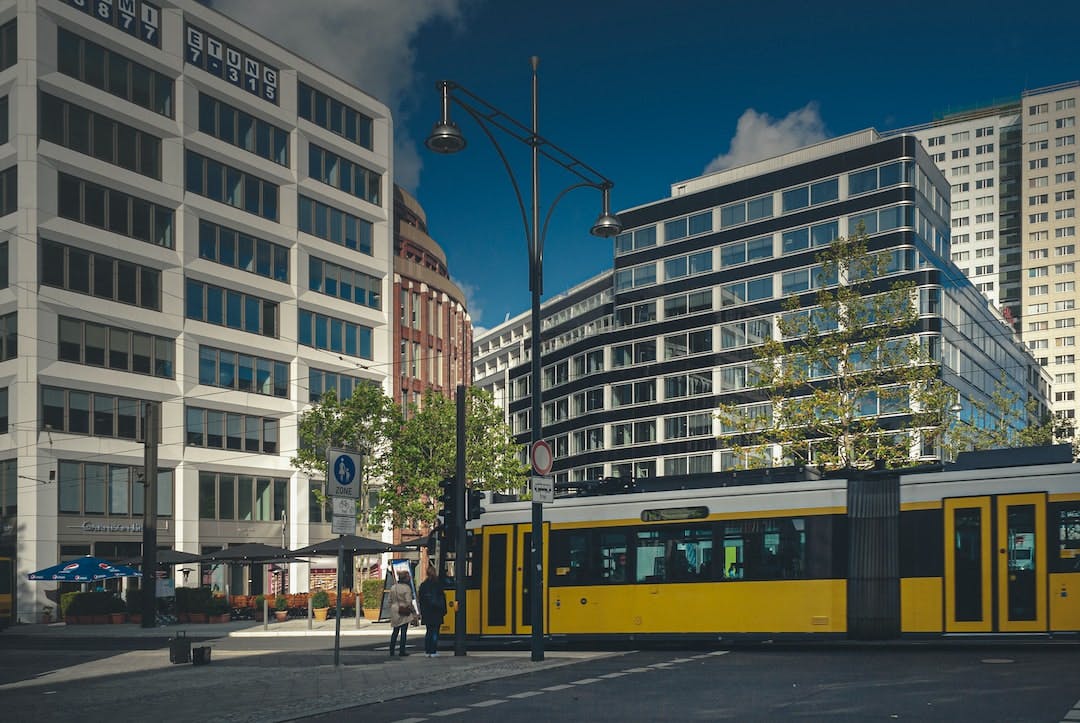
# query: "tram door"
995,571
496,608
523,578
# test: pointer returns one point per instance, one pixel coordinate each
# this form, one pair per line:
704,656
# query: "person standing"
402,611
432,609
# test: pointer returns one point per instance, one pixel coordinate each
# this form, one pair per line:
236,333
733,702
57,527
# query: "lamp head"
607,224
445,138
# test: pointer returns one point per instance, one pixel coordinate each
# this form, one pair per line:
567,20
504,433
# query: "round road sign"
541,457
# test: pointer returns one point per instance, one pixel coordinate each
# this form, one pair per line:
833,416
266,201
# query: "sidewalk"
239,686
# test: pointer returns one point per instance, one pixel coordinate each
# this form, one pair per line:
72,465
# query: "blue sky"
649,94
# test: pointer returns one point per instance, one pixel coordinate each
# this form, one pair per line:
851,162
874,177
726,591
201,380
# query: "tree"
847,377
1005,420
364,422
424,451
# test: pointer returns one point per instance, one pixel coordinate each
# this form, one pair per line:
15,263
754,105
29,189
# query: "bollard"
309,611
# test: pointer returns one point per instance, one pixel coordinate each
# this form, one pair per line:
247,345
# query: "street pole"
536,280
149,536
461,556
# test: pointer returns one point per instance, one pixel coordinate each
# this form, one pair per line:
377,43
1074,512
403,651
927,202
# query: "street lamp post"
447,138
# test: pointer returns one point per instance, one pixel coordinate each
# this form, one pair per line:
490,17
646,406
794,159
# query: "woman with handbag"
432,609
402,611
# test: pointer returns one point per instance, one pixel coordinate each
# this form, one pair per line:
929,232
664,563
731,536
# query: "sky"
648,94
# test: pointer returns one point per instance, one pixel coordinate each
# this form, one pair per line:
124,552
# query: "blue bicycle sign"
344,470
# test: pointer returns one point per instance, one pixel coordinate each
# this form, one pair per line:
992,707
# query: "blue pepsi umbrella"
84,569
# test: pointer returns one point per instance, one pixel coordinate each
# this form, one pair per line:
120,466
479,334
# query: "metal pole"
149,536
337,607
461,556
536,277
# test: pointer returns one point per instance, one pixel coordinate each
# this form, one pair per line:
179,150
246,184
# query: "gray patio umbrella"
255,552
166,557
351,543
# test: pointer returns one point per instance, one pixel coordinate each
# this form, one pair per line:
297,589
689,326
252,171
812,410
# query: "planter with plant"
134,604
117,610
372,594
281,608
320,603
66,612
217,610
259,599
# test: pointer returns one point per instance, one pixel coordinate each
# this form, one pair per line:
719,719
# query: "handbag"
404,609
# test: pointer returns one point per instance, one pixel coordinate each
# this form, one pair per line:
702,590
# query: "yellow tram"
974,549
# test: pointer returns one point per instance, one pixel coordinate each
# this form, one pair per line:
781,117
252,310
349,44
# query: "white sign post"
543,489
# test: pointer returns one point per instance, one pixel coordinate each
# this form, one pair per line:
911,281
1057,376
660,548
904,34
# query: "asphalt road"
969,684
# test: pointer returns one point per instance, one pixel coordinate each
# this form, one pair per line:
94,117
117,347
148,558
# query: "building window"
321,381
344,175
234,309
101,137
243,130
687,226
91,488
337,335
113,73
9,199
326,222
335,116
230,186
343,283
84,272
243,251
635,277
84,342
92,413
243,372
243,498
221,430
633,240
112,210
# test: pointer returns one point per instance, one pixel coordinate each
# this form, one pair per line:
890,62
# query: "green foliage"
90,603
217,605
192,599
259,600
320,599
281,603
424,451
818,388
65,603
373,592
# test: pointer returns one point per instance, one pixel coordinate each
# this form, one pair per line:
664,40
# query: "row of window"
243,130
99,136
85,342
334,116
759,549
320,382
344,174
111,72
243,372
93,413
84,272
91,488
231,186
337,335
327,222
115,211
9,336
234,309
241,497
243,251
342,283
9,46
9,191
224,430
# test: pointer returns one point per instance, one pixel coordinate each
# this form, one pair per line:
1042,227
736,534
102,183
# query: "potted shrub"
372,593
134,606
320,603
259,607
117,610
217,610
281,608
66,613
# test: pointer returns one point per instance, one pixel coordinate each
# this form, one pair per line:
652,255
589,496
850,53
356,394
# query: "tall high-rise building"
637,360
1012,168
196,218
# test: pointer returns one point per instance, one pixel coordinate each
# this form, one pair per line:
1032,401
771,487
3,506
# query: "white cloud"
367,42
759,136
472,303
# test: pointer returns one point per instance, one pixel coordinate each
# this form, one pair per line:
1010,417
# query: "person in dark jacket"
432,609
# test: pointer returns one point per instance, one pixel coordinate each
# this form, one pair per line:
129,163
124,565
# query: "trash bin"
180,648
200,655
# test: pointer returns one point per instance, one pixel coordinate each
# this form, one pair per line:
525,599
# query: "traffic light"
474,498
449,498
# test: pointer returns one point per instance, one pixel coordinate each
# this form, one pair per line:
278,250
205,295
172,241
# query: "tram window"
1065,527
614,560
921,551
674,554
569,558
765,549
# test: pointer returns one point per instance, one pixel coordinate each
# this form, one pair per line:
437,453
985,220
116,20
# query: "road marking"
526,694
1073,714
487,703
450,711
613,675
719,652
410,720
683,660
553,688
585,681
661,665
637,670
